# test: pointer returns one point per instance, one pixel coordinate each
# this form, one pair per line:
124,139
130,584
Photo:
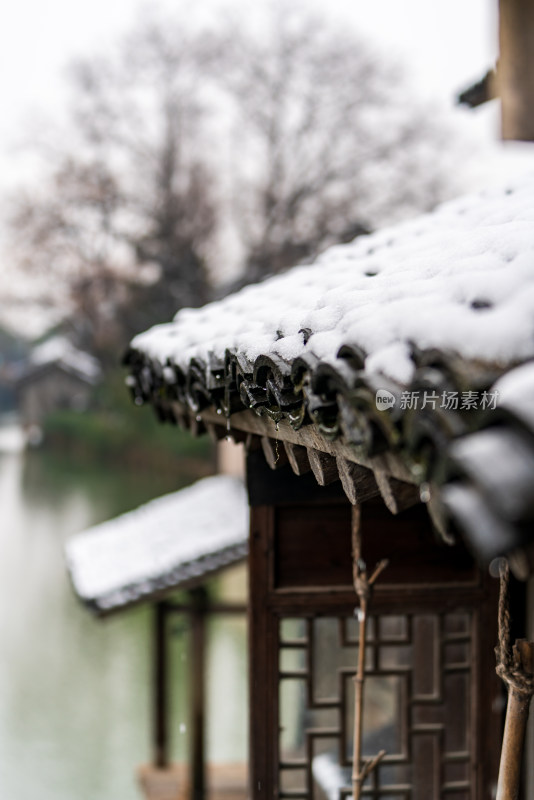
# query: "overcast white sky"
445,45
445,42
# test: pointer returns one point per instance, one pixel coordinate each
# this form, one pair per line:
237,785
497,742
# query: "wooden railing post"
160,687
198,704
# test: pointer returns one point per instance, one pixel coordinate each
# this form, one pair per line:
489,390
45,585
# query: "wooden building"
384,396
165,553
56,376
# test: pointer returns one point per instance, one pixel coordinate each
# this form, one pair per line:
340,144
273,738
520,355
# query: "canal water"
75,691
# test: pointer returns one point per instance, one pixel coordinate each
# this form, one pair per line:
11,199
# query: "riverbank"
121,434
94,437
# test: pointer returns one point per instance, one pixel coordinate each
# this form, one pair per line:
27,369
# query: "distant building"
57,375
13,352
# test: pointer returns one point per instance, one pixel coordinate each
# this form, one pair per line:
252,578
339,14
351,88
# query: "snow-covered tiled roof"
442,304
175,540
460,279
60,351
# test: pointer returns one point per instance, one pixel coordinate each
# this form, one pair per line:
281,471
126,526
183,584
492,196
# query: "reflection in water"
74,710
74,691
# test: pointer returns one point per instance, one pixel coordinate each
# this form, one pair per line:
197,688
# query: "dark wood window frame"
271,600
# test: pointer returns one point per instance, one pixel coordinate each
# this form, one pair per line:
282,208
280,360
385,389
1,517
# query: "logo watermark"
384,399
448,401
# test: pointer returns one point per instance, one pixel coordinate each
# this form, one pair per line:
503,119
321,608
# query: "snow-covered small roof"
442,304
174,541
60,351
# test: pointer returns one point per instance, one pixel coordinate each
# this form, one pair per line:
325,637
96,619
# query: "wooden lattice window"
432,700
417,706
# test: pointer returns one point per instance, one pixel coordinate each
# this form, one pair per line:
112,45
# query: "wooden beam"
274,453
324,467
298,458
358,482
198,701
397,495
208,608
309,436
161,759
515,73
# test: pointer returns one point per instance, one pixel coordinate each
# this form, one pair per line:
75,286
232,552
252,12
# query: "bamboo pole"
363,586
358,699
516,724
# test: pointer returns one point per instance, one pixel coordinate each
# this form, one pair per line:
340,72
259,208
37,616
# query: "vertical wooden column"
198,704
515,74
160,687
263,661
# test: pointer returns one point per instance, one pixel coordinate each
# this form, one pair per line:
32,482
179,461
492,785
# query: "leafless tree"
129,208
328,141
324,144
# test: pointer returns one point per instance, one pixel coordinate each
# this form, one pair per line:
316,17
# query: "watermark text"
448,401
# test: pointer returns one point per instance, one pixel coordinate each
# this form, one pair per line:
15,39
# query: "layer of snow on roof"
459,279
59,350
158,537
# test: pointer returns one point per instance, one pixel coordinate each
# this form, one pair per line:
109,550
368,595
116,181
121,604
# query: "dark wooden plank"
298,458
312,548
358,482
198,701
262,661
281,486
414,552
397,495
307,436
226,609
324,467
160,686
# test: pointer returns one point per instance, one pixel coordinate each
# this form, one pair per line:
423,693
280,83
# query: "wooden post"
515,727
198,705
160,687
515,72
